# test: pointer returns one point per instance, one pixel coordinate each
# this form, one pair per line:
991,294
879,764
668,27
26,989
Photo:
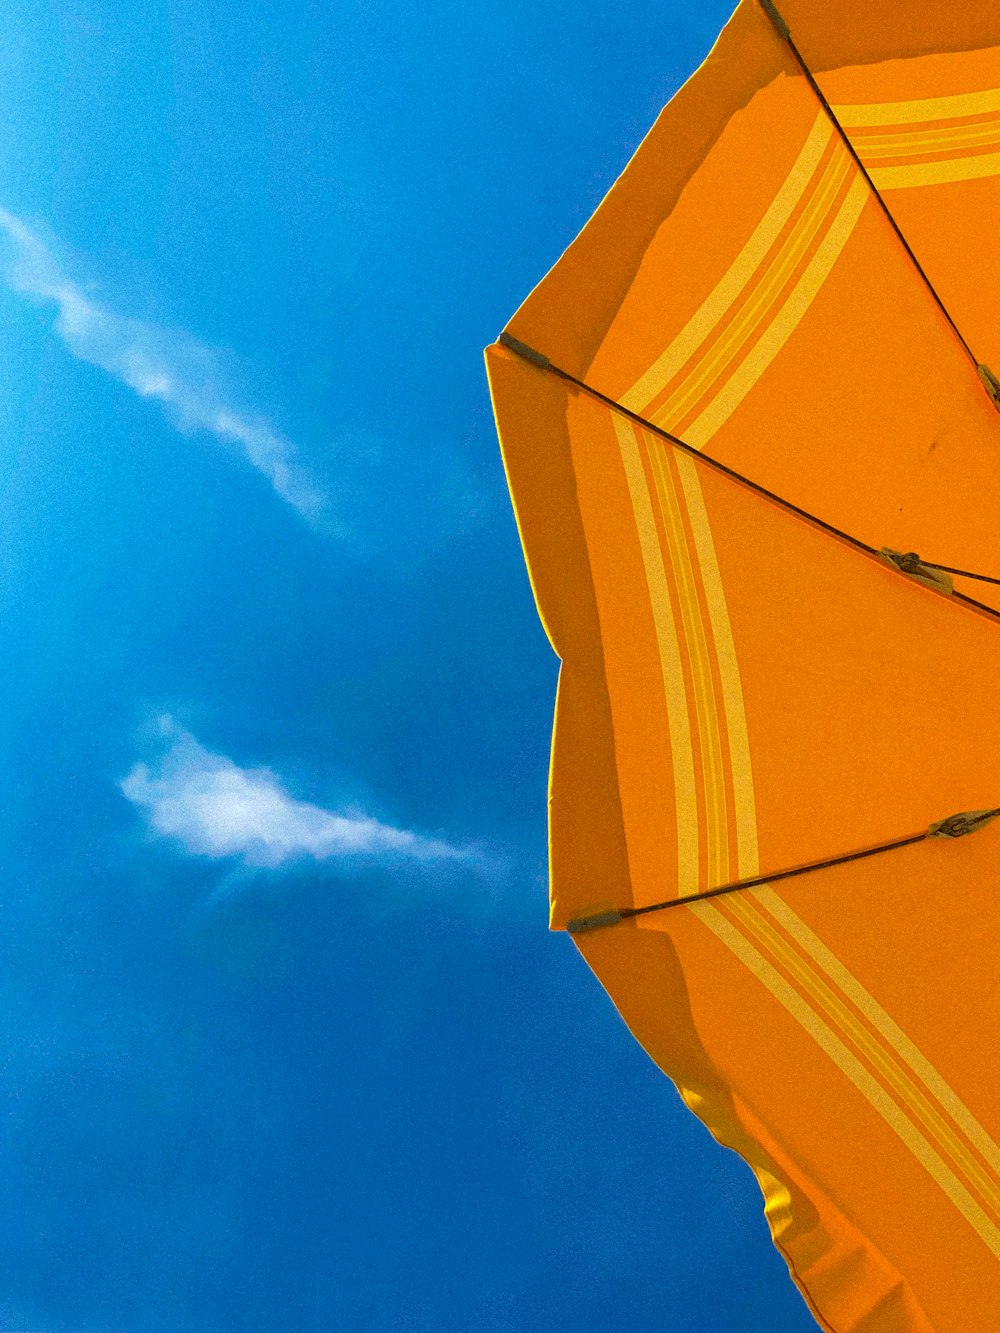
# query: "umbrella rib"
964,573
783,31
542,362
955,826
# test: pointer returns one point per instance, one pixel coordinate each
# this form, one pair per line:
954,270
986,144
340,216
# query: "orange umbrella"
756,384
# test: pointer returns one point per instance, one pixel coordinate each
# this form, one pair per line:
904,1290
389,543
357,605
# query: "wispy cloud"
158,362
214,808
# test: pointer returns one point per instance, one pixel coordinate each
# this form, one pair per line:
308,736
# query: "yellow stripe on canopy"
971,168
920,111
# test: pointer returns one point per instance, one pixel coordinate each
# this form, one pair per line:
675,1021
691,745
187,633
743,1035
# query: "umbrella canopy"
755,385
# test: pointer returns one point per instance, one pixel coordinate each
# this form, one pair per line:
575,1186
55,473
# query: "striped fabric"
930,141
868,1048
723,350
717,829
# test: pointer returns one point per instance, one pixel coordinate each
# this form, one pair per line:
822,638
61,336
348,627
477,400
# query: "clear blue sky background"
286,1044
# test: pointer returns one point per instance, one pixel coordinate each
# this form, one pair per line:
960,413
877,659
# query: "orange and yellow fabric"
743,690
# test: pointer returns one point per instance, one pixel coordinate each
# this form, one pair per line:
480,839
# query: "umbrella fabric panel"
761,675
777,696
885,1127
821,1222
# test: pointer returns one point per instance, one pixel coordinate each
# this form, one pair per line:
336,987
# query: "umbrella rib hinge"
595,919
990,383
522,349
909,563
957,826
779,23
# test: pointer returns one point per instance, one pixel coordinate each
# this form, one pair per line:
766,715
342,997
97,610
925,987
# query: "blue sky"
286,1043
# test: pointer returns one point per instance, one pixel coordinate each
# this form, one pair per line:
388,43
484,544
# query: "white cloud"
166,364
215,808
